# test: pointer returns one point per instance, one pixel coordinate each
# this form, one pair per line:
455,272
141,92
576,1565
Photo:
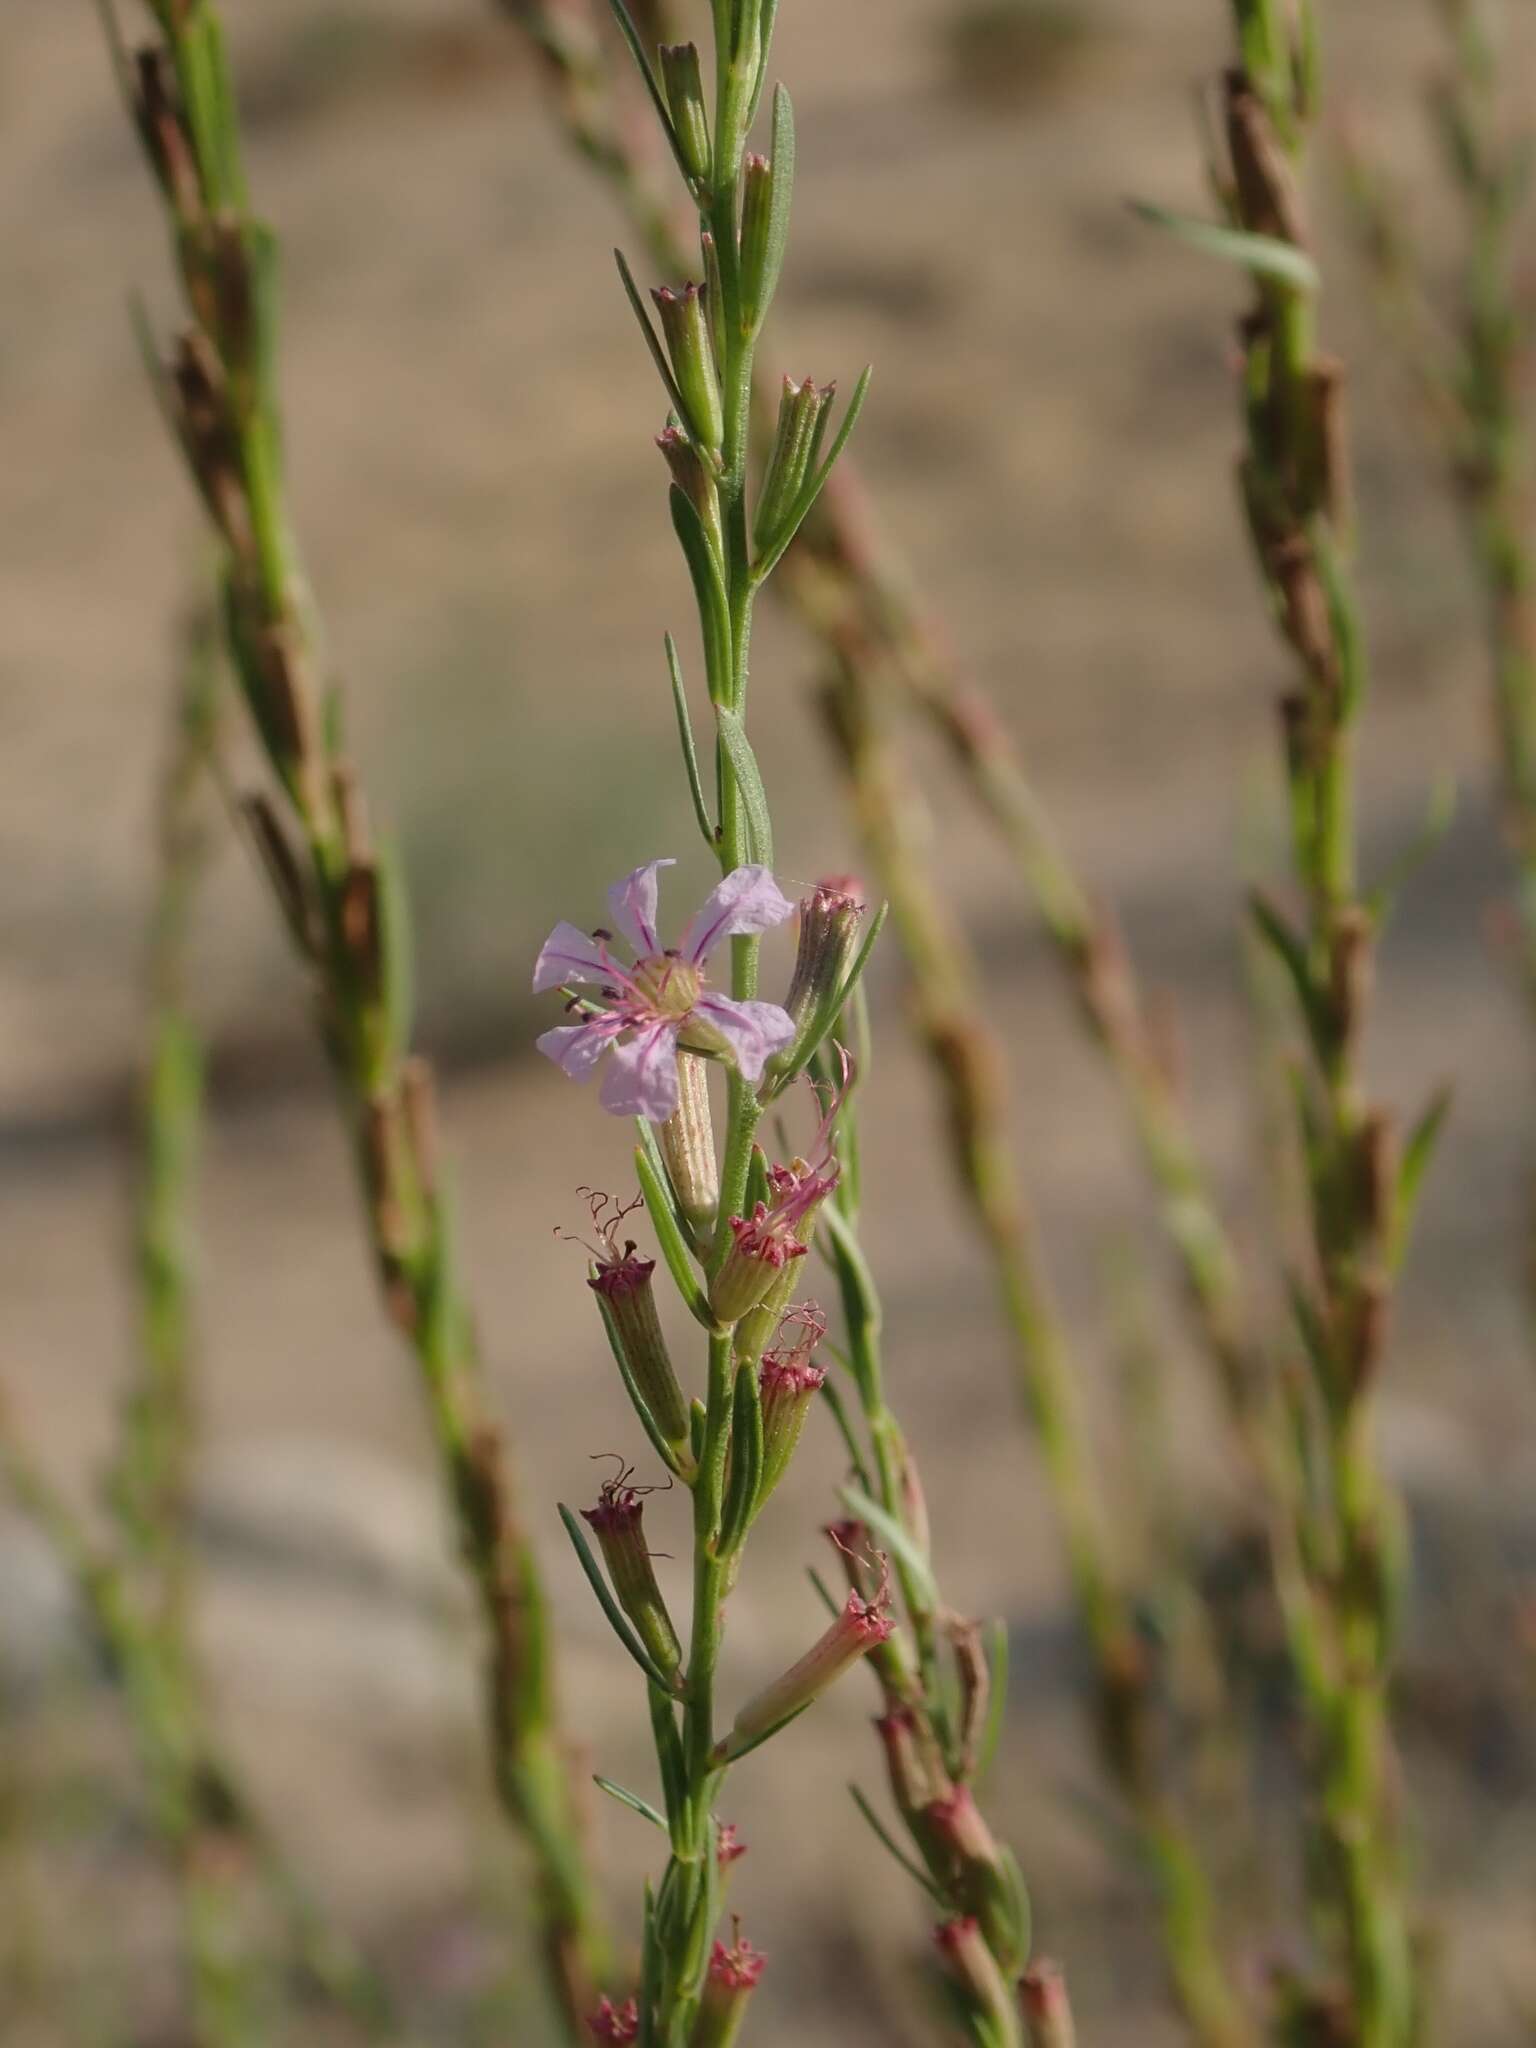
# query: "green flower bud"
685,323
684,92
803,411
616,1522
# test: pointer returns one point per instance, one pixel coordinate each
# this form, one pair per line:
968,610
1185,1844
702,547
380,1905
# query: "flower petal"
571,955
642,1075
752,1032
577,1048
632,906
747,900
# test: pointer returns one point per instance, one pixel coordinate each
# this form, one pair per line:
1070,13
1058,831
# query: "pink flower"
616,2023
664,1002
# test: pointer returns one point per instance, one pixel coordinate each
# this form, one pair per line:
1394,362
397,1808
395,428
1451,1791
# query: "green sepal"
202,73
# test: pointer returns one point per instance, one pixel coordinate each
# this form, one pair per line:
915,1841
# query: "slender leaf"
630,1799
690,752
631,36
749,781
1260,255
730,1752
819,1585
893,1848
1417,1154
897,1536
746,1459
665,1220
610,1606
782,158
827,1018
708,590
765,43
997,1703
840,1416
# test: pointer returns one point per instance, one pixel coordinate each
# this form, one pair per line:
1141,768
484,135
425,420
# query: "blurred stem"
343,902
1335,1568
951,1012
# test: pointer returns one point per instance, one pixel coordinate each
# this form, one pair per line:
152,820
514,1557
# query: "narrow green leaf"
882,1834
819,1585
666,1220
708,592
782,158
652,342
609,1605
840,1415
766,21
746,1459
765,563
1439,816
733,1754
396,940
630,1799
1417,1154
663,113
897,1536
690,752
749,781
1260,255
997,1699
1288,948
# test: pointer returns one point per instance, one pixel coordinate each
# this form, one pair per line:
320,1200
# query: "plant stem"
343,903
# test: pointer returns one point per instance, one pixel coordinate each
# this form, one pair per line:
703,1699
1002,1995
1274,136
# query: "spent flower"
663,1003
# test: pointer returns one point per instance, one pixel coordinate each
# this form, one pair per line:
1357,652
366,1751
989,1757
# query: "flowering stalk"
1472,385
730,1242
135,1590
343,903
1339,1567
951,1016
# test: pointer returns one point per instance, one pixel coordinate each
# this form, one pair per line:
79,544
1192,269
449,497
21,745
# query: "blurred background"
1050,445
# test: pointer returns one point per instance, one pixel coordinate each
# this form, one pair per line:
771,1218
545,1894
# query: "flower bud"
729,1847
728,1985
687,1141
615,2023
978,1871
686,327
1047,2008
759,272
830,916
693,480
616,1522
684,90
860,1626
756,1271
623,1284
789,1382
975,1969
912,1764
803,410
